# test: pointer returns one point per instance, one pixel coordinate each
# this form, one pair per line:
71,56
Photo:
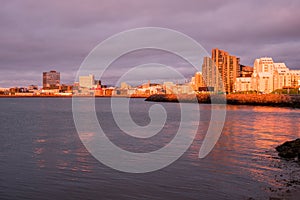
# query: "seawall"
276,100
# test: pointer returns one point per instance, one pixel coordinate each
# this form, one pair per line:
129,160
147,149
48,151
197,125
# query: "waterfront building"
269,76
264,64
51,80
168,87
281,76
182,89
88,82
262,77
228,67
66,88
4,91
295,78
124,85
246,71
209,72
242,84
262,82
33,87
197,81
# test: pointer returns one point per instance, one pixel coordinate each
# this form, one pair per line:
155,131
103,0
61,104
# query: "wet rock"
290,149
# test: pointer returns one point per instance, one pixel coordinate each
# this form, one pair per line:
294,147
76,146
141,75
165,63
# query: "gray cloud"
37,36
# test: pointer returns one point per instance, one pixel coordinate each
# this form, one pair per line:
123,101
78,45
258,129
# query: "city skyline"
35,40
226,75
233,73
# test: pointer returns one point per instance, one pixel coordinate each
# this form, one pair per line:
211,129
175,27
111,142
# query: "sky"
38,35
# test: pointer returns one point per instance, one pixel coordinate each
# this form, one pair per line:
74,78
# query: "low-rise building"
243,84
295,78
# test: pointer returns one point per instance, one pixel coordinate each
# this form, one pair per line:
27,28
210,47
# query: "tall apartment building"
51,80
209,72
228,67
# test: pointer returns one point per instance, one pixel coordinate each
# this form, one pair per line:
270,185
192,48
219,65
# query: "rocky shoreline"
289,165
277,100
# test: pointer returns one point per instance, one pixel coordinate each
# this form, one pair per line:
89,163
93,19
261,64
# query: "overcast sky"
39,35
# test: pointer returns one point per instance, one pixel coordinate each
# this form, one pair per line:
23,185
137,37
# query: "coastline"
274,100
71,96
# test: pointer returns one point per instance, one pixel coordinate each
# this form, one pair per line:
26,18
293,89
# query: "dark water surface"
42,157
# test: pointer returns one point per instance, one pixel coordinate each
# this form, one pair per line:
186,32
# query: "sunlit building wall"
209,72
269,76
281,76
197,81
87,81
262,77
295,78
228,67
242,84
51,80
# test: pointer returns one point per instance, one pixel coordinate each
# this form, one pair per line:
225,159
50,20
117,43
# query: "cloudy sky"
39,35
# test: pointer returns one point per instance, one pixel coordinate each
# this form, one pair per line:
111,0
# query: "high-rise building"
51,80
209,72
228,67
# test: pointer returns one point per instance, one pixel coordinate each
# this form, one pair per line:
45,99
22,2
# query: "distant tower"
51,80
209,72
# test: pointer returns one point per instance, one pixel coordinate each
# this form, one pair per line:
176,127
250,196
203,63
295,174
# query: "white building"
262,78
242,84
295,78
262,82
269,76
281,76
87,81
168,87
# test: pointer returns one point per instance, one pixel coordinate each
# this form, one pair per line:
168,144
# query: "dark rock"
275,198
290,149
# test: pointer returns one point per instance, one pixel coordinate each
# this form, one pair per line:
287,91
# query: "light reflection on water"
42,157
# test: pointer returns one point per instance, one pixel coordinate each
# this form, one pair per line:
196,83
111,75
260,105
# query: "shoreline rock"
289,149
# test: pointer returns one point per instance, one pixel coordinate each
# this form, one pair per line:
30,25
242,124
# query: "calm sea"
42,157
